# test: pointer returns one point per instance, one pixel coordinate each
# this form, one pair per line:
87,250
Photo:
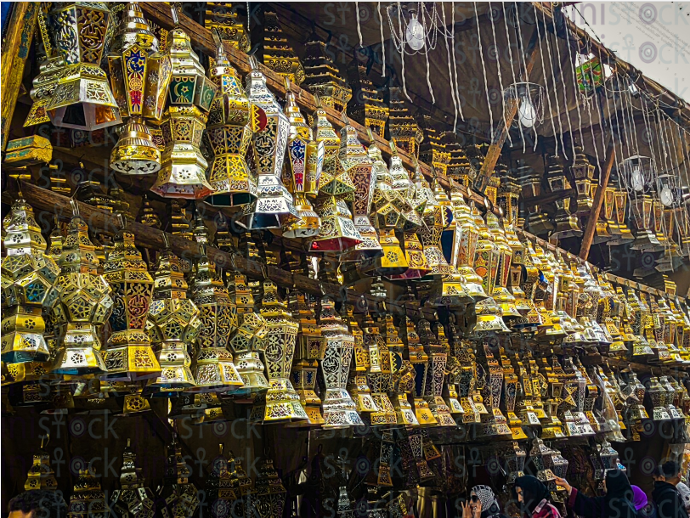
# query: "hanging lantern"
356,162
173,325
339,411
430,236
215,369
88,499
530,100
248,340
278,55
322,77
431,376
183,171
82,99
280,402
269,492
28,277
305,157
129,356
274,207
583,174
401,183
379,374
84,303
230,125
132,499
366,105
179,497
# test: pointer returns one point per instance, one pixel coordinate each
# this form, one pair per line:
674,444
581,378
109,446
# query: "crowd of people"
670,498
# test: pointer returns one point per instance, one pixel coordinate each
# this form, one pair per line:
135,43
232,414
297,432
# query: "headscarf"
533,492
684,491
640,499
487,497
618,502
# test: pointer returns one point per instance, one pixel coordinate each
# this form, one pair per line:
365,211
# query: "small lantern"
177,495
269,493
132,499
88,498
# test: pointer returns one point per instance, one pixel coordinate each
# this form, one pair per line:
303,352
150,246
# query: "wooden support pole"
512,105
597,203
15,50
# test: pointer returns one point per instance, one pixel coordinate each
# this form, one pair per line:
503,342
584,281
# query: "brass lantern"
366,106
357,164
132,499
229,130
248,340
178,496
88,499
129,356
465,239
487,260
379,375
583,174
322,77
305,158
173,325
84,303
403,129
280,402
28,276
274,207
401,183
82,99
269,492
430,236
183,171
339,411
41,475
277,52
214,369
140,77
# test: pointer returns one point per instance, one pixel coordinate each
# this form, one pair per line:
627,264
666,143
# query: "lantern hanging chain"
576,90
546,81
455,63
553,79
249,18
450,77
486,84
498,67
565,94
512,68
383,41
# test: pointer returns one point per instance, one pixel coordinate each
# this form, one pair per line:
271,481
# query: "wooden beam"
588,236
512,105
15,50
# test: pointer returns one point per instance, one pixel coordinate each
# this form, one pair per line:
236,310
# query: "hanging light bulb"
526,112
414,34
637,178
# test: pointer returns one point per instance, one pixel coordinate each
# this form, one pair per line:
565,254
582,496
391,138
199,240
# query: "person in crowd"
533,497
668,501
37,504
645,508
482,504
684,491
617,503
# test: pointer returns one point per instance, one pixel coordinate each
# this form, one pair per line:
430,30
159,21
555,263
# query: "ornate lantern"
379,374
305,157
487,261
356,162
404,131
82,99
140,76
215,369
277,52
402,184
28,276
434,375
269,493
223,488
84,303
40,475
430,236
129,356
280,402
223,17
191,93
173,325
366,106
229,129
322,78
248,340
274,207
133,499
177,494
339,410
88,499
583,173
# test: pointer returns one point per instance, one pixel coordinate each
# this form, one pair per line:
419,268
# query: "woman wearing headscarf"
617,503
533,497
482,504
645,508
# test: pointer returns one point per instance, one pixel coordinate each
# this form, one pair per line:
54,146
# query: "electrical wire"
486,84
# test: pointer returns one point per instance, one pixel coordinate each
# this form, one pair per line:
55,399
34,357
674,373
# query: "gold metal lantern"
41,476
173,325
133,499
82,99
88,499
178,496
229,130
129,356
28,276
84,303
280,402
269,493
322,77
214,369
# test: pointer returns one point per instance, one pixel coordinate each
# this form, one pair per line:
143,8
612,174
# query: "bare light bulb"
414,34
527,115
666,196
636,178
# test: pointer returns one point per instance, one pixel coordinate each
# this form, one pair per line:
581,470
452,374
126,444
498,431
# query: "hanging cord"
486,84
553,79
455,64
383,41
565,92
576,91
512,69
426,54
402,55
602,119
359,27
450,76
498,68
546,81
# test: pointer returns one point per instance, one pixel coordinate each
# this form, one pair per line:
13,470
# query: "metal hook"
75,207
